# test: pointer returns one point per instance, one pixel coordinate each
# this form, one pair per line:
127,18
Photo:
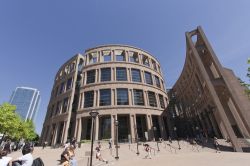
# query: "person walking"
216,145
110,143
99,156
147,148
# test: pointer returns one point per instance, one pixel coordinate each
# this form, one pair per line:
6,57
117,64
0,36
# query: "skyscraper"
27,102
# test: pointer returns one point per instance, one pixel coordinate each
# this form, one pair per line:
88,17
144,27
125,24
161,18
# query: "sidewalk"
188,155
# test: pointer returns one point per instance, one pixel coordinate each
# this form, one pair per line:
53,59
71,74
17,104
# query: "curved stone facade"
121,82
208,98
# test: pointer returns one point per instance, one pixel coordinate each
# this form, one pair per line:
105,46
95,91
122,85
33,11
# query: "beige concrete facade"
209,96
130,99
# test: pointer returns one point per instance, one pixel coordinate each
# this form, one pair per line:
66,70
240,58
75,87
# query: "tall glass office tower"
27,102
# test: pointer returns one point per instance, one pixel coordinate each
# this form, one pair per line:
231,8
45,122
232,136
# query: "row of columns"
99,55
132,129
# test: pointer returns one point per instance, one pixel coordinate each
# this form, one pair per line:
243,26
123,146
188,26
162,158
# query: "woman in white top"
4,160
26,159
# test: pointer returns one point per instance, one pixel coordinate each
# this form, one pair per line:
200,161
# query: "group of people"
68,154
25,160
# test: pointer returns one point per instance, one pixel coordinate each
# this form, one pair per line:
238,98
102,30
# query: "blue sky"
37,37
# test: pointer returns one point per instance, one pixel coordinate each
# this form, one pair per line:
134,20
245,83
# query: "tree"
13,125
248,75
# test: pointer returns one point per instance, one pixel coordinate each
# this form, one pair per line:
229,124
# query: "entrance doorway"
123,128
141,127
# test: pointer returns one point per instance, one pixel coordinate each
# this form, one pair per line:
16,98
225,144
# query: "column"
145,98
97,128
95,98
113,118
130,97
128,74
79,132
65,131
55,135
149,126
133,129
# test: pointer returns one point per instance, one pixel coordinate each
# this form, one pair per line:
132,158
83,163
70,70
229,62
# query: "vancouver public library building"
125,85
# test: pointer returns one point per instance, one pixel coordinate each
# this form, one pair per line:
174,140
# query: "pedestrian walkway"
167,153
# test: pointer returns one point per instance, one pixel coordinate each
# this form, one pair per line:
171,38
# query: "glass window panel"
154,65
107,58
105,74
145,60
133,57
136,75
120,56
138,97
90,76
121,74
161,101
93,57
157,81
105,97
88,99
69,84
65,105
122,96
62,88
148,78
152,99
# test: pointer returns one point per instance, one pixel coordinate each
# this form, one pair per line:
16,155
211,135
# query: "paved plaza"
169,154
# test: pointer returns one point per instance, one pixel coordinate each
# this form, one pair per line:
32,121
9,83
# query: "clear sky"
37,37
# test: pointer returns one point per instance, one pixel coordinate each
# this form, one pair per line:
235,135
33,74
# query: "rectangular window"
88,99
145,60
152,99
133,57
93,57
65,104
122,96
138,97
121,74
106,56
154,65
105,74
148,78
58,108
157,82
62,88
69,84
105,97
90,76
120,56
161,101
136,75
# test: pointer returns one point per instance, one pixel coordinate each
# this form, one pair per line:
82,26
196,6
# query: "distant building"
27,102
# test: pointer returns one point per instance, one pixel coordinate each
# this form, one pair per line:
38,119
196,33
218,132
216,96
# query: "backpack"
38,162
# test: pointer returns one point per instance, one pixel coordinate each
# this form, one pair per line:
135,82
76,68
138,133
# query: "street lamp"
93,114
116,146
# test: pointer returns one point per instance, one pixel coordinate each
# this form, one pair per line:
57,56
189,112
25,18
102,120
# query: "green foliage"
12,125
245,84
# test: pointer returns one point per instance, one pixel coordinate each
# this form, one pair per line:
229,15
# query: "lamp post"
116,146
93,114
